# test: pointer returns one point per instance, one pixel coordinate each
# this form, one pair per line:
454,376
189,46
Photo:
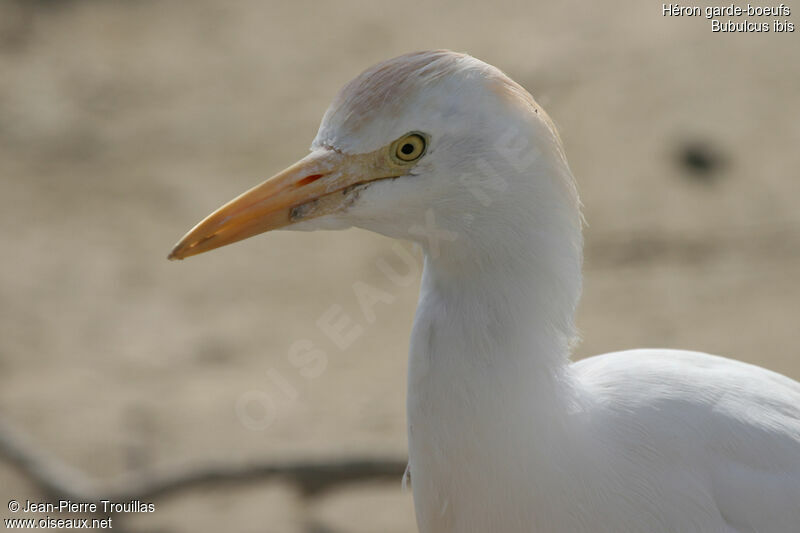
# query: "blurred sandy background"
123,123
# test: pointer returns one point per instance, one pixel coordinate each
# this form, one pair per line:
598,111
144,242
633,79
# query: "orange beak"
321,183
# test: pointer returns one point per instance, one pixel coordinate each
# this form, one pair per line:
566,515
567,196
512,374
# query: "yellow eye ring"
410,147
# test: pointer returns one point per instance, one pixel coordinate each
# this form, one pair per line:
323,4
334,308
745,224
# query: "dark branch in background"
59,481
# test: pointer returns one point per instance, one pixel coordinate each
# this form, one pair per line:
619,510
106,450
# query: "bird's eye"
410,148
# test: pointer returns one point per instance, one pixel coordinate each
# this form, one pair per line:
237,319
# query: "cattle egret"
505,434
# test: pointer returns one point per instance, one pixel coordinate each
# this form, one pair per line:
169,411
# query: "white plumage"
505,434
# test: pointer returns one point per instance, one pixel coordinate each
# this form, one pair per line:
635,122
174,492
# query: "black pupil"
407,148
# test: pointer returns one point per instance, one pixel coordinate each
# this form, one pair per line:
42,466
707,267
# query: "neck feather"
497,303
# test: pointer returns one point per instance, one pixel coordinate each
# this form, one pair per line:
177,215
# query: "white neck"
494,320
489,381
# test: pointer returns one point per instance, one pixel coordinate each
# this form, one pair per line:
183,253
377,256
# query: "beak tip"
175,255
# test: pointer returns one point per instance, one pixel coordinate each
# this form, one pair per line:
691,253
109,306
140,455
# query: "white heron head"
434,135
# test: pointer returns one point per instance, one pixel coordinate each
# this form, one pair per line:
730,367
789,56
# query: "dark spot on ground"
700,162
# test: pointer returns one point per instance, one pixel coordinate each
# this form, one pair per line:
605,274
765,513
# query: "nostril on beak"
308,179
